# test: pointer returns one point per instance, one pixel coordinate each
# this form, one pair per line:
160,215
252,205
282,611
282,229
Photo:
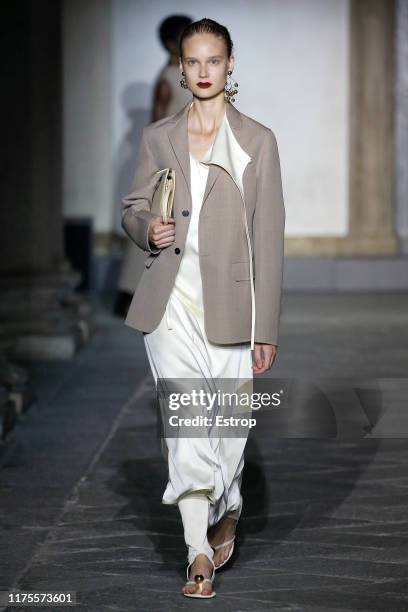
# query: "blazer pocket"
240,270
150,259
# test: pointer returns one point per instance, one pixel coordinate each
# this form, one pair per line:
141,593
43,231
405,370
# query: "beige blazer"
241,228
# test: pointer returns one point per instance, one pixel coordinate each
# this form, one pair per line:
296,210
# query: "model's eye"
189,62
215,61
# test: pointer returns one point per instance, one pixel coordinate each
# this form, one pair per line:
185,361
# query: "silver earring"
230,89
183,82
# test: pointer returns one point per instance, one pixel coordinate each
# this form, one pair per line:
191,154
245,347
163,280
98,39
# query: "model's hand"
264,356
162,235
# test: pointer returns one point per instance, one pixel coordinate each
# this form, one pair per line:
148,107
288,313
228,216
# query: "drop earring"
183,82
230,89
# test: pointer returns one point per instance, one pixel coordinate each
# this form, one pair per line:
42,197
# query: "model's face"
205,61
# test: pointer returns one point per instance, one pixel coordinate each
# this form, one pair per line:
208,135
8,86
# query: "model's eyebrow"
211,57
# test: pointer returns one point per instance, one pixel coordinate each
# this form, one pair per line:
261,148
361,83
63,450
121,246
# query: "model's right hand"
162,235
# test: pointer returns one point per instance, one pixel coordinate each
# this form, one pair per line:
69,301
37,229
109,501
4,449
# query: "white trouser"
194,510
178,348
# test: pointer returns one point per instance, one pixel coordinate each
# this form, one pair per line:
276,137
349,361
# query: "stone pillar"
38,307
371,220
401,124
371,136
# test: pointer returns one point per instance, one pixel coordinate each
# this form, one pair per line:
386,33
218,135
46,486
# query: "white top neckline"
198,161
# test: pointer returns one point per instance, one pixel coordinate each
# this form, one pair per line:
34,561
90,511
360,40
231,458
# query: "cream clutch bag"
163,197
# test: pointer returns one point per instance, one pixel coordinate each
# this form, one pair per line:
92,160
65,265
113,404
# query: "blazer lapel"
226,152
178,137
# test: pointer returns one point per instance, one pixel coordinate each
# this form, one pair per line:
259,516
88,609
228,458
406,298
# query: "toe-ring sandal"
200,580
229,554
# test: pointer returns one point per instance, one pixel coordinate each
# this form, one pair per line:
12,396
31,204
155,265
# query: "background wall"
310,70
292,70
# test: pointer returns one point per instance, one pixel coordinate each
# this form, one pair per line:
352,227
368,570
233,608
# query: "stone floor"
325,521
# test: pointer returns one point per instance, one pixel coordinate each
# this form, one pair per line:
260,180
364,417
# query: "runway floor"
325,520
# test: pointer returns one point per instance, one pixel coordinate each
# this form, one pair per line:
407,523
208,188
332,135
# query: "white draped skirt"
179,348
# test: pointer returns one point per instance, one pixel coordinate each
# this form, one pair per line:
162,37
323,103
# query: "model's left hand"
264,356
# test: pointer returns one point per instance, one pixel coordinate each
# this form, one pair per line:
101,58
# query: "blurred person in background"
168,98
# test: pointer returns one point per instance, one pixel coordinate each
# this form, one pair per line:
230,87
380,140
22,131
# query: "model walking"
204,304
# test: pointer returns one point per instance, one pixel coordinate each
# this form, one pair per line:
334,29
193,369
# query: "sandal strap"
212,574
211,580
223,544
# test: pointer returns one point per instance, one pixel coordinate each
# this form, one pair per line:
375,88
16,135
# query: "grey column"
372,69
38,308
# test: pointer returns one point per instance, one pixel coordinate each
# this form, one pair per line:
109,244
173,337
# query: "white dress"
179,348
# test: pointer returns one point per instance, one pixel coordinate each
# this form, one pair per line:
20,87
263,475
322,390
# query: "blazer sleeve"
268,232
136,215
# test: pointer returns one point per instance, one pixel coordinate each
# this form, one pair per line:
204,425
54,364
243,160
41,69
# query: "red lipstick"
204,85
